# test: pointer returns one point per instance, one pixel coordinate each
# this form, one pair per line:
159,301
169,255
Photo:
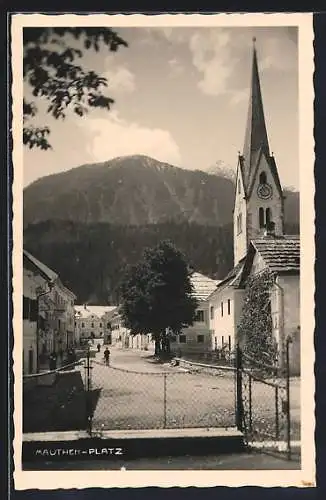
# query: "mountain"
221,169
133,190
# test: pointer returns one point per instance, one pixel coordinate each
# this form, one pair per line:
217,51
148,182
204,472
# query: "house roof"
202,285
44,270
87,311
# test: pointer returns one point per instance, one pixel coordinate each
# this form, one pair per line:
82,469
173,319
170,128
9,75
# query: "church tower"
258,205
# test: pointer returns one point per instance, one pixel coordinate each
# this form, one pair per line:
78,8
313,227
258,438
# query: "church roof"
203,286
279,254
256,140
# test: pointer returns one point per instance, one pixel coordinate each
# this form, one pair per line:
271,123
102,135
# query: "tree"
49,67
156,295
255,328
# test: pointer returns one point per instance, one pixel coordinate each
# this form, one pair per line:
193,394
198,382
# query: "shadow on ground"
62,406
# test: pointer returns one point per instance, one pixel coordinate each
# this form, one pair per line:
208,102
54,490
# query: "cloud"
211,56
277,55
112,137
120,80
239,96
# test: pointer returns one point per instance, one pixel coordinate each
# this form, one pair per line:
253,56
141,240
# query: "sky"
181,96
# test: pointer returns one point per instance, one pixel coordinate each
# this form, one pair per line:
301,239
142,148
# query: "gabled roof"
280,254
44,270
202,285
232,279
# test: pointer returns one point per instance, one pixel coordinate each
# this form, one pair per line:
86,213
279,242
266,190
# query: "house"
93,322
259,239
225,310
48,314
198,337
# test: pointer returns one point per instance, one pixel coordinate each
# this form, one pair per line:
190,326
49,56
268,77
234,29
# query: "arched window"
261,217
268,216
239,186
263,178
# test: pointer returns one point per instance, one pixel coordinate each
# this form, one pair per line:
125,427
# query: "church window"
268,216
263,178
239,186
229,306
261,217
222,309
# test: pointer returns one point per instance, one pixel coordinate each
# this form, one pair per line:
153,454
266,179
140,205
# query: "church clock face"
264,191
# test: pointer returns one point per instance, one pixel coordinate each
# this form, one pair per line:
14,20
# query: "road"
136,393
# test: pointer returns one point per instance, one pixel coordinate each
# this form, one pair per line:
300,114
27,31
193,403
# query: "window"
239,186
212,312
222,309
230,343
92,325
25,307
101,333
200,339
173,338
108,325
75,323
263,178
199,316
229,306
83,325
268,216
182,339
261,217
222,340
59,324
100,325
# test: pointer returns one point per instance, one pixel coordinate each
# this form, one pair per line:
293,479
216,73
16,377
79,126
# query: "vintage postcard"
163,260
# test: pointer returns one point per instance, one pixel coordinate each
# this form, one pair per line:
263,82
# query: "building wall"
30,285
274,203
91,326
195,338
291,317
239,236
224,326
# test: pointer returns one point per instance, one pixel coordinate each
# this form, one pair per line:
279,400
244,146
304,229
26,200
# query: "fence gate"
263,394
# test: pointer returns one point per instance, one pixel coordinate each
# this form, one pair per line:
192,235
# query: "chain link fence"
160,400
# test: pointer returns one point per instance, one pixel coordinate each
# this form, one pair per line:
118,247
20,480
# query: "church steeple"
258,200
256,138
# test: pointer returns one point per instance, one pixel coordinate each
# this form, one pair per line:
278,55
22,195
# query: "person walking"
107,356
53,361
98,347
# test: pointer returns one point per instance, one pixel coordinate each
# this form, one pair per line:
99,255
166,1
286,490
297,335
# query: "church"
260,242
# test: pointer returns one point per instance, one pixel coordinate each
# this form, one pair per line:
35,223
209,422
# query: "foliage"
255,328
156,294
50,69
91,258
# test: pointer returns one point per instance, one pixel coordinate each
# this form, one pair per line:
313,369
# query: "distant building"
48,314
93,322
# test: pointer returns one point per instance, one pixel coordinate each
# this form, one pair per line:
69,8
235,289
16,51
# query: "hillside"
91,258
133,190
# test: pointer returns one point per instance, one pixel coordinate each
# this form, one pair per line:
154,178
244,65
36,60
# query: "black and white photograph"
163,221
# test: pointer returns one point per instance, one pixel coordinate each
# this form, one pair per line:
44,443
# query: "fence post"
239,402
164,399
288,409
88,393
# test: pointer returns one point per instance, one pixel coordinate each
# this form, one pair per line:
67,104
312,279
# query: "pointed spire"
256,133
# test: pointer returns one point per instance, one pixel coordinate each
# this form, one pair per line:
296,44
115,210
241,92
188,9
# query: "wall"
239,238
224,328
274,203
29,327
291,317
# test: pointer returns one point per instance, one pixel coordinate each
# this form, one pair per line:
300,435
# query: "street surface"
137,393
